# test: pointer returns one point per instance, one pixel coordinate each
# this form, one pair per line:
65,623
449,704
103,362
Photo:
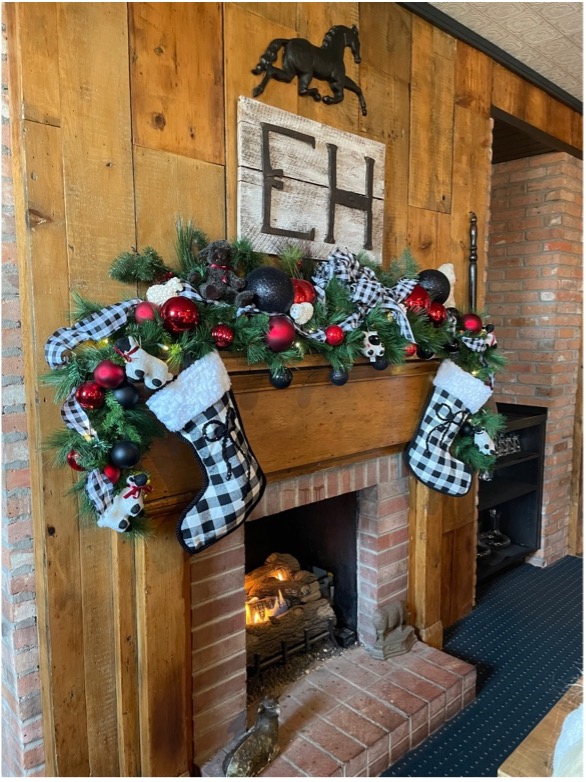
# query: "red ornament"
90,395
303,291
144,311
334,335
179,314
471,322
109,375
72,458
222,335
410,350
418,299
112,473
281,333
437,313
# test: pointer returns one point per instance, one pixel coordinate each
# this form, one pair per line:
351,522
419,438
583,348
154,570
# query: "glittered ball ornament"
334,335
410,350
112,473
73,461
436,284
303,291
418,299
281,333
272,288
222,335
145,311
125,454
109,375
281,378
471,322
126,395
338,377
437,314
179,314
90,395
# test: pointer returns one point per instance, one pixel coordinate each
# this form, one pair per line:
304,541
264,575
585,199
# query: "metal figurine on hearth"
393,635
307,61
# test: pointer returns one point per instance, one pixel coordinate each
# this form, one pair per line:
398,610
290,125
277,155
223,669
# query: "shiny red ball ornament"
72,458
437,313
471,322
109,375
222,335
179,314
334,335
90,395
112,473
144,311
410,350
418,299
281,333
303,291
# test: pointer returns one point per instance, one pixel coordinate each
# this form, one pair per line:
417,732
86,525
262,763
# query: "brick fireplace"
373,711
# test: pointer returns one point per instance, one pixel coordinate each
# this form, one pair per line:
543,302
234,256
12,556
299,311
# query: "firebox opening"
321,535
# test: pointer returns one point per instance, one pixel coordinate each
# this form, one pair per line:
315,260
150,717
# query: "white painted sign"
302,182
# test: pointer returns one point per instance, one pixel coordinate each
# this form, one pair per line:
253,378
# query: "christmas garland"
226,297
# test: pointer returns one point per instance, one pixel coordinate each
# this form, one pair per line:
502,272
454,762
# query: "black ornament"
126,395
338,377
125,454
306,61
436,284
424,353
453,347
272,288
380,363
453,312
466,430
489,328
282,378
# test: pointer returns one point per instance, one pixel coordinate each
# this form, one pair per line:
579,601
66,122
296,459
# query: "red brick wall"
22,733
534,298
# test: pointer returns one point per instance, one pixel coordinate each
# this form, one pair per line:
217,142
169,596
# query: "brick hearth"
354,715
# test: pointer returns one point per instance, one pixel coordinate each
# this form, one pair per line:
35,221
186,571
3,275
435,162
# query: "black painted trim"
431,14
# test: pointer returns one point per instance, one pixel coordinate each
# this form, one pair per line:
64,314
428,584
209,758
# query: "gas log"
283,603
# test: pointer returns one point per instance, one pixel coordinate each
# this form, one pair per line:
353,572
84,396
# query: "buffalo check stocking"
200,407
455,396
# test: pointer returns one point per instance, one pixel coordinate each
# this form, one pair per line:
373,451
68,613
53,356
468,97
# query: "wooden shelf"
499,559
504,491
515,458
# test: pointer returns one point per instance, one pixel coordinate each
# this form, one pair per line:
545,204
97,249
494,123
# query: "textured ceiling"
546,37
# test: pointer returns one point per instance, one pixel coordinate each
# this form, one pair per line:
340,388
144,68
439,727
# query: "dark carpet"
525,639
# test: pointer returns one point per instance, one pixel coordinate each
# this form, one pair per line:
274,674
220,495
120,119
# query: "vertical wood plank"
176,75
432,110
100,222
282,13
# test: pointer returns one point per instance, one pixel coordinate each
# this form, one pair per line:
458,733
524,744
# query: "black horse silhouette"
306,61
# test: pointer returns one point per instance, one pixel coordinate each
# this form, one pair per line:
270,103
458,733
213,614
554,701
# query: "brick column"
22,730
534,297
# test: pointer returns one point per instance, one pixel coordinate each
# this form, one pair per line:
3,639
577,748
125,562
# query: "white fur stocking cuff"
473,393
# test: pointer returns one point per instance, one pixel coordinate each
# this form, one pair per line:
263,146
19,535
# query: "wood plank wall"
124,117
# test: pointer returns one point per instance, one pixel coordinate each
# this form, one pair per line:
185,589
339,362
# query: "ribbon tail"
74,417
400,317
99,490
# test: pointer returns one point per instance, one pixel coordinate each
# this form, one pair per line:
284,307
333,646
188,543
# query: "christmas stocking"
200,407
456,394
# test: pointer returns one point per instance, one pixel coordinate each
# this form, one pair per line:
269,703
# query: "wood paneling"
89,79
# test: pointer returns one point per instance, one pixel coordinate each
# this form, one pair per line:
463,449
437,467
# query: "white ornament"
448,270
152,371
126,505
159,294
372,346
302,312
484,442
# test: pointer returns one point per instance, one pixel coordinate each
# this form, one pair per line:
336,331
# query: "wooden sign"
302,182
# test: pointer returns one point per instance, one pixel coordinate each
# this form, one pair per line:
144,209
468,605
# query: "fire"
280,575
259,611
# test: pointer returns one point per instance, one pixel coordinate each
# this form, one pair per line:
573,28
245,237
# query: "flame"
260,611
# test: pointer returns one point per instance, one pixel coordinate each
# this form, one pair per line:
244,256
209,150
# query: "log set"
307,613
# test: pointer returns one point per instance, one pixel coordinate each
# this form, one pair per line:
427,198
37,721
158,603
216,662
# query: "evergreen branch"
190,241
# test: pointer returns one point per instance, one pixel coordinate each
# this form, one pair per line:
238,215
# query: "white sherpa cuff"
473,393
192,392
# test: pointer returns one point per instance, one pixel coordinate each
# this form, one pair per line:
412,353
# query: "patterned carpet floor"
525,639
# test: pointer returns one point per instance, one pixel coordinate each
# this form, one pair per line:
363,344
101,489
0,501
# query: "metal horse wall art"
306,61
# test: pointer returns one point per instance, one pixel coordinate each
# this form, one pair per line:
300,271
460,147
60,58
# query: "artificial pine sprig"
290,259
82,308
189,242
404,266
244,258
132,267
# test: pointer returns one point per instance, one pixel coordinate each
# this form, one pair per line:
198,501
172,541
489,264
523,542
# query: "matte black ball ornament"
380,363
424,353
436,284
466,430
338,377
282,378
126,395
272,288
125,454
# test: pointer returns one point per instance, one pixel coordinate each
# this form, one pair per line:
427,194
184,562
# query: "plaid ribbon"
99,490
366,292
74,417
189,292
477,344
96,326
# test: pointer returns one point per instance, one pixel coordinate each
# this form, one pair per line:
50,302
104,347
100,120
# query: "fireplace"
386,707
